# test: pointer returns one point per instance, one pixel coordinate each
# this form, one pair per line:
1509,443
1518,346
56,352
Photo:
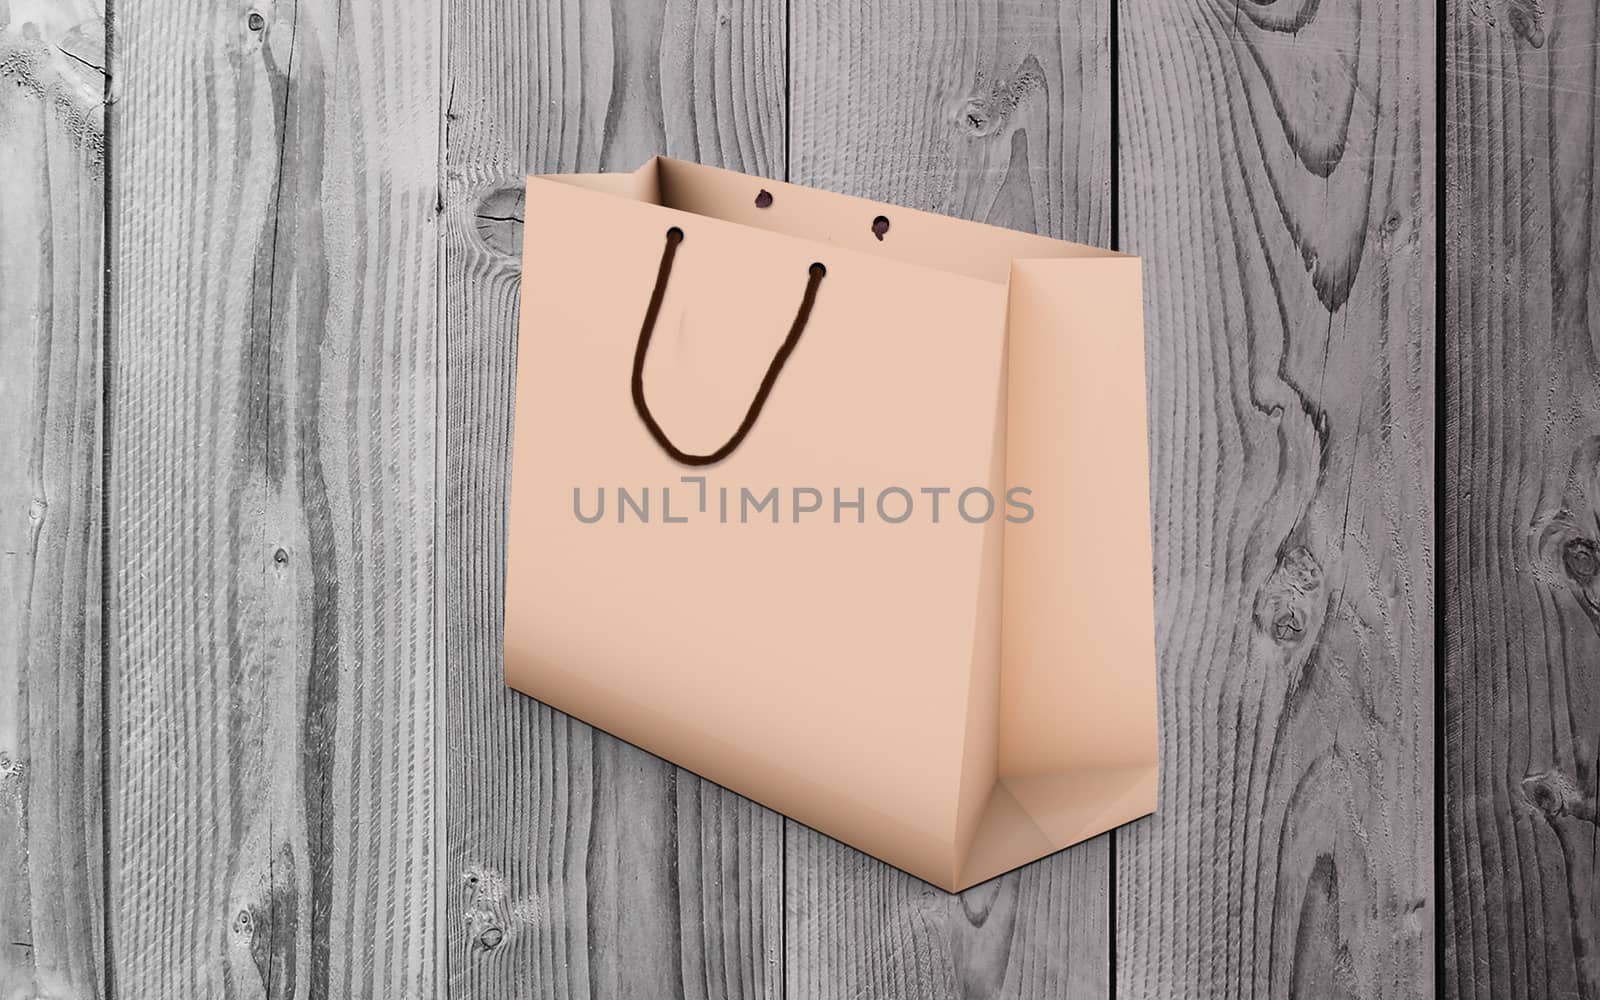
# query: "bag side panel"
1078,677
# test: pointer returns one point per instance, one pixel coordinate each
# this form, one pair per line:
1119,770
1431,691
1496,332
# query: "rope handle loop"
647,330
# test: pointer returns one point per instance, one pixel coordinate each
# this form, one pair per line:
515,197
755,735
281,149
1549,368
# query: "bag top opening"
926,239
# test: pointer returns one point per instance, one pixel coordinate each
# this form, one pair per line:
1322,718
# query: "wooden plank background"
1277,178
258,288
1522,480
52,214
273,408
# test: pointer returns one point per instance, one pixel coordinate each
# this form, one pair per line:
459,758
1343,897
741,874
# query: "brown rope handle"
674,237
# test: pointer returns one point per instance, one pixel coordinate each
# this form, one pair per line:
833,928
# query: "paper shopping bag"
840,505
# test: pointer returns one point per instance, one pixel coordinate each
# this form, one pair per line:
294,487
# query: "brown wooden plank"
1000,112
1278,179
580,866
271,499
1522,509
52,142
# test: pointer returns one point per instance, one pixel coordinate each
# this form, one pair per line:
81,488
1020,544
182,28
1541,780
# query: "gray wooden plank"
1522,445
1278,179
858,928
271,499
996,110
578,865
52,881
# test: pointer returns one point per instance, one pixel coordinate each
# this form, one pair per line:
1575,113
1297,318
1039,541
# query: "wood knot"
490,937
256,21
1392,224
1288,627
1556,794
36,510
996,102
486,884
1286,602
1527,21
1301,570
263,916
1566,556
1414,918
280,557
485,930
1579,558
498,220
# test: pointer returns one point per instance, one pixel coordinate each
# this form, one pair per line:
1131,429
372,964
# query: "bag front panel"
829,643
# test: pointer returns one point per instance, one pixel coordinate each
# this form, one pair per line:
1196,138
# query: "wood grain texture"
1522,511
858,928
995,110
271,498
1278,179
580,866
52,142
1000,112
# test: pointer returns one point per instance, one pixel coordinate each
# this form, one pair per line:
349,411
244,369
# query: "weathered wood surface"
1278,179
1522,487
281,821
995,110
1000,112
271,499
52,856
579,866
858,928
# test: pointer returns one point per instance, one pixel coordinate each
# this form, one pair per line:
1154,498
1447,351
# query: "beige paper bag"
749,529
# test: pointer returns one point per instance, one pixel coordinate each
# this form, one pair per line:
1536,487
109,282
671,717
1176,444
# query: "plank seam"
783,902
1440,493
1111,918
1116,141
107,974
788,110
